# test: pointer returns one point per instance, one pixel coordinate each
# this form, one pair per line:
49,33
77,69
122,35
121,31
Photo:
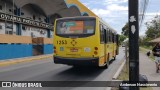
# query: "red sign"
79,26
74,50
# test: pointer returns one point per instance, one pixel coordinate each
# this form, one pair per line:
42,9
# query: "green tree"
125,30
153,28
121,38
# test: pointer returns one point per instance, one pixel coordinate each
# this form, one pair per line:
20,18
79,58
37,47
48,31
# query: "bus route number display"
62,42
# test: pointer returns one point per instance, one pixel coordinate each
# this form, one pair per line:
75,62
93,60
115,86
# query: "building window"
34,17
32,35
0,7
15,12
9,26
22,13
101,33
10,10
39,19
45,20
9,32
0,26
23,28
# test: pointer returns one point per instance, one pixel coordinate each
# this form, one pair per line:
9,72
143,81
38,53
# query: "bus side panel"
102,46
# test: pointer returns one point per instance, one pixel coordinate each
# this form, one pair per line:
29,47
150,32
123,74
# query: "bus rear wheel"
106,64
114,57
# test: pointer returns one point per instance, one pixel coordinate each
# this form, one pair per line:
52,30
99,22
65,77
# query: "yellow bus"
84,40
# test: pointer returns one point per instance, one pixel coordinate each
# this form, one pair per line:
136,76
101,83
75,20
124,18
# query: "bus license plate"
74,50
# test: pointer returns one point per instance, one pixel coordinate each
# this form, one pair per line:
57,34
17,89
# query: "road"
46,70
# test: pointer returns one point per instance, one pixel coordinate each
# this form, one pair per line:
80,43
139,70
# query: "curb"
21,60
117,73
119,70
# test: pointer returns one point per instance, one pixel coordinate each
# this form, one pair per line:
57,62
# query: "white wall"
28,13
5,9
51,34
8,6
2,31
36,31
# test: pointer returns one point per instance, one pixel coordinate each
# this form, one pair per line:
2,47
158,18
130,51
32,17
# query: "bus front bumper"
77,61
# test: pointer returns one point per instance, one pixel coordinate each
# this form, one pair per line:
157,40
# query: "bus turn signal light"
95,52
55,51
96,48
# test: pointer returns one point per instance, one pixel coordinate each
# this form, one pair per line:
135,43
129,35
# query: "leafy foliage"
152,32
122,38
153,28
125,30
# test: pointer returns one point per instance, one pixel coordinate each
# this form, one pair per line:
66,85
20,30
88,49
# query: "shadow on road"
81,73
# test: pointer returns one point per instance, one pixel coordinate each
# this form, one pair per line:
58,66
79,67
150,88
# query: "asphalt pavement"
46,70
148,68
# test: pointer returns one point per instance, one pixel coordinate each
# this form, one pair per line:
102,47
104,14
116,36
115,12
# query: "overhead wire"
143,7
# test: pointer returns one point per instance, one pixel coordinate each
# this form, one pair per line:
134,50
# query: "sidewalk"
148,68
25,59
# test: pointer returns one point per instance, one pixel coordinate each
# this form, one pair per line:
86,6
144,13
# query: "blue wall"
47,49
9,51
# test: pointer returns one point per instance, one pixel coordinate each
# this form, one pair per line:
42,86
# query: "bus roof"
76,17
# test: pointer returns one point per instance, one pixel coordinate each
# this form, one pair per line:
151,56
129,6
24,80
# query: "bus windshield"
75,27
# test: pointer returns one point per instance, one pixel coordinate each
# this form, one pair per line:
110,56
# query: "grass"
147,47
124,75
144,50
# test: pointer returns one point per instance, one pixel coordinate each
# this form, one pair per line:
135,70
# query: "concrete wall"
37,32
10,51
28,12
47,49
8,7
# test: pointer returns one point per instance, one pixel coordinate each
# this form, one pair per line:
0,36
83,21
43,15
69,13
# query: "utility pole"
133,42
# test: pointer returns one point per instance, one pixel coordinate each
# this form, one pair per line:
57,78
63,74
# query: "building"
26,26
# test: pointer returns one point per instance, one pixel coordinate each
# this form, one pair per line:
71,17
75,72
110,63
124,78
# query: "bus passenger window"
113,39
111,36
101,34
107,36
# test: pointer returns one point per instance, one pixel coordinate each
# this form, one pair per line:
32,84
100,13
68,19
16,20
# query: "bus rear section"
76,41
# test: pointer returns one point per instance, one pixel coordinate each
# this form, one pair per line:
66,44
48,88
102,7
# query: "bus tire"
76,66
106,64
114,58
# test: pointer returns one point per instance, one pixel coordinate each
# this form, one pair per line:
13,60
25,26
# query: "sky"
115,12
